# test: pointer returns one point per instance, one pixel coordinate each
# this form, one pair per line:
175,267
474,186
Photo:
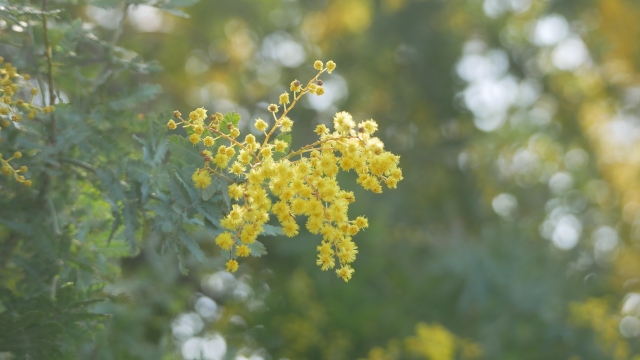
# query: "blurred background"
514,234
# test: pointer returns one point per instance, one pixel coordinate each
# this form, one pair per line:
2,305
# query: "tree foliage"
513,236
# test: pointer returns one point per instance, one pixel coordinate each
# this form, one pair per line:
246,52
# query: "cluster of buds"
266,178
8,170
13,110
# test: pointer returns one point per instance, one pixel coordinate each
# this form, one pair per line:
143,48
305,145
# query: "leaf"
257,249
143,93
270,230
107,4
211,212
285,137
161,152
184,151
230,118
209,191
130,222
113,185
192,245
193,193
172,5
179,193
117,221
72,36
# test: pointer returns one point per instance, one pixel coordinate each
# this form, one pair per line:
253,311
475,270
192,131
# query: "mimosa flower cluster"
267,178
13,110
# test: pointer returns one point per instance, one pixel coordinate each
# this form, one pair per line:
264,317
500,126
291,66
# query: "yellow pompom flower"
243,251
321,129
208,141
235,191
225,241
326,262
280,146
232,266
194,138
230,152
201,179
245,157
221,160
343,122
172,125
362,222
284,98
273,108
295,86
317,65
260,124
319,90
345,272
286,124
266,152
202,113
17,154
330,66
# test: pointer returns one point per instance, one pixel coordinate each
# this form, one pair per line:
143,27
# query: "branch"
79,163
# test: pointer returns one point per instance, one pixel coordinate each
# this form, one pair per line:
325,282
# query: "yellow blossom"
225,241
295,86
284,98
345,272
260,124
232,266
302,183
208,141
286,124
243,251
330,66
201,179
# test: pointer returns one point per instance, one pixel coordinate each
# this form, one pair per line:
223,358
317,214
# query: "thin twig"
46,178
79,163
54,216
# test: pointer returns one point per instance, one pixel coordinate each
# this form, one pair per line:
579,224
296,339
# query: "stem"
79,163
54,216
49,56
310,147
46,178
293,103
